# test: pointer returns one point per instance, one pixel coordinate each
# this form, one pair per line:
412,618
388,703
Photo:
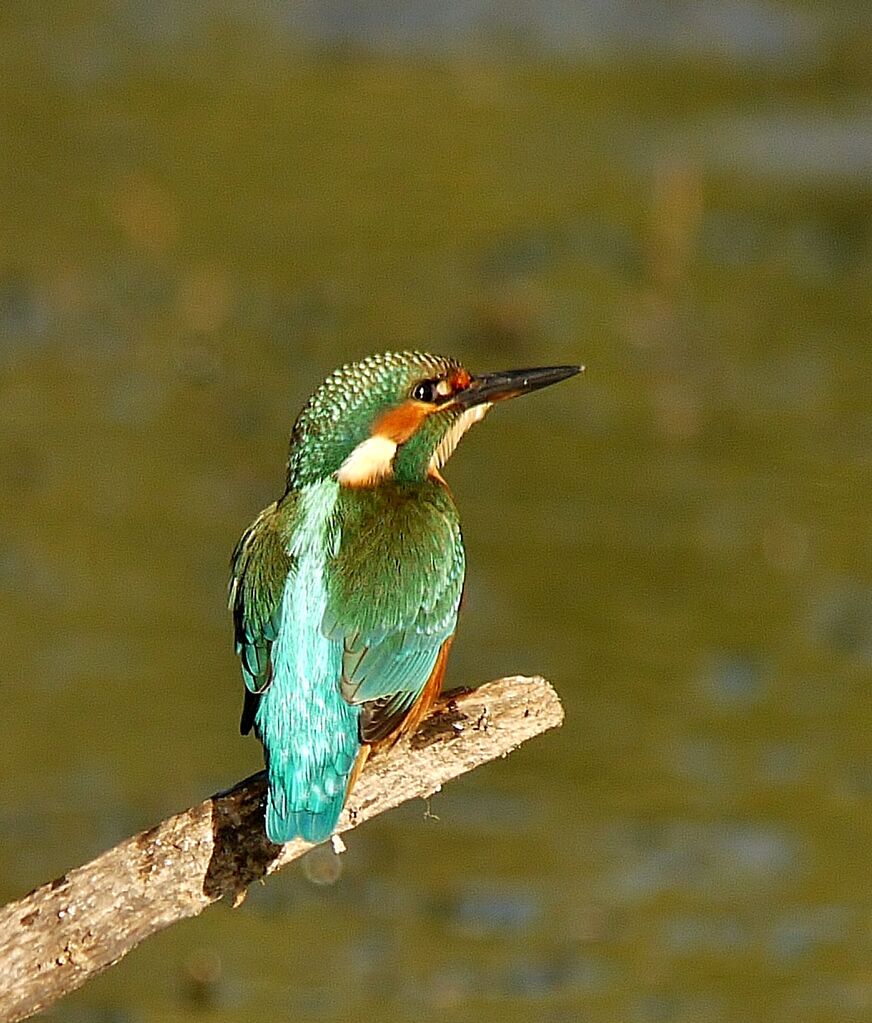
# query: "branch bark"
61,934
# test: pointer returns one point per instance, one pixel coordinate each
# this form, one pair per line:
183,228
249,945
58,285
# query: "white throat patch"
370,461
451,439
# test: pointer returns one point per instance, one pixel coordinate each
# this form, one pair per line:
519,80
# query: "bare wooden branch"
61,934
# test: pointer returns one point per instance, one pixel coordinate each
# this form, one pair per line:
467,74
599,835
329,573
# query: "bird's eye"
426,390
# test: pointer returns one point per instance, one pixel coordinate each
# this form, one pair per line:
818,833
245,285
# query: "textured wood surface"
61,934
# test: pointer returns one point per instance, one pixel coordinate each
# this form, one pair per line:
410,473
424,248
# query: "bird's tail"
307,788
310,736
310,810
317,822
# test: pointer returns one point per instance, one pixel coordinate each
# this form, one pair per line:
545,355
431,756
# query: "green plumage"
342,599
393,594
393,575
345,591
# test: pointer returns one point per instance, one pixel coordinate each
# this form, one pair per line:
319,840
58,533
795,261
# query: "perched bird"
345,591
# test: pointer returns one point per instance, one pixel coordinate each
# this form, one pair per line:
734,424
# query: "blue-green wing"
393,595
259,570
292,672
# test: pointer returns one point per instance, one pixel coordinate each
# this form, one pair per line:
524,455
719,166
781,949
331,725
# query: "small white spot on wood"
180,891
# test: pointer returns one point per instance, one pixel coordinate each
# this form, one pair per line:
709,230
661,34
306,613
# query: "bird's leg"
362,757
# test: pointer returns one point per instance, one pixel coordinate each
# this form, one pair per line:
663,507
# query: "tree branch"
65,932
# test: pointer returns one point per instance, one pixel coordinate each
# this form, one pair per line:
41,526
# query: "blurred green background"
205,207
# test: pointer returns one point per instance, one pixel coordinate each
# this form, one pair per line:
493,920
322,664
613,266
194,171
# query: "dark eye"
426,391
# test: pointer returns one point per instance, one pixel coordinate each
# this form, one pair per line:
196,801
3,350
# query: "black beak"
511,383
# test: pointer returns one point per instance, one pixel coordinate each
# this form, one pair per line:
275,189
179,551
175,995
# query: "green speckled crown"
341,411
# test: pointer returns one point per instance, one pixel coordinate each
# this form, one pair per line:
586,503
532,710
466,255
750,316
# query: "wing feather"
395,588
259,570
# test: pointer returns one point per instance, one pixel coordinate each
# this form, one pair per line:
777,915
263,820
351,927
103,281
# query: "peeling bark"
65,932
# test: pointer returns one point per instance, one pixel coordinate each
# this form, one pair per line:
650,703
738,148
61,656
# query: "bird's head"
397,415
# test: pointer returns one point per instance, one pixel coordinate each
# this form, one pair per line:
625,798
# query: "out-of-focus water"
206,209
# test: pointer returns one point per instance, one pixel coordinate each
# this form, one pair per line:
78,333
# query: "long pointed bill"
512,383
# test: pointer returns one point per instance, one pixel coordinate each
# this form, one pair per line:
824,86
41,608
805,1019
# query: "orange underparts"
417,712
429,695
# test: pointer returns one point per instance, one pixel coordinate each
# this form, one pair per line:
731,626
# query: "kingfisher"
345,591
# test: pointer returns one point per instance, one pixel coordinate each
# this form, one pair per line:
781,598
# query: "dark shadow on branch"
67,931
241,852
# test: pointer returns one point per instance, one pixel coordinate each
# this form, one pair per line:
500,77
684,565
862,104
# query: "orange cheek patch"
460,380
400,423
